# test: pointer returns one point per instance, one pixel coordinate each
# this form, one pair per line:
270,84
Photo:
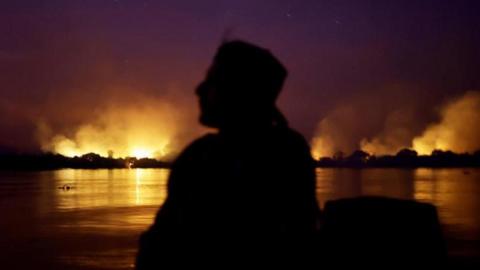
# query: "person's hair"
244,64
252,74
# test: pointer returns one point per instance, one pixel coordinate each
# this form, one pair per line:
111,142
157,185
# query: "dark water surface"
91,219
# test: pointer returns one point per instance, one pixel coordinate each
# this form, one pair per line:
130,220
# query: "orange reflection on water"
424,191
425,185
115,200
83,189
455,193
109,201
96,222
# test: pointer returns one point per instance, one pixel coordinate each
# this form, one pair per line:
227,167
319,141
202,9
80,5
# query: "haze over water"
91,219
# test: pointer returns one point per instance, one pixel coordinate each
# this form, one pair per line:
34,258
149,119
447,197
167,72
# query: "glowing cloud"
458,130
385,131
396,134
146,130
334,132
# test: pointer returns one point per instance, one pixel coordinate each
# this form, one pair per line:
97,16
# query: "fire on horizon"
142,132
139,135
457,130
99,76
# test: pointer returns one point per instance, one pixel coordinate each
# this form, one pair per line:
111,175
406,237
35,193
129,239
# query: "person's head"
241,87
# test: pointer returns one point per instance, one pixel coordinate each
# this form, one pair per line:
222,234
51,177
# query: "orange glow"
321,147
111,188
457,131
146,131
142,153
125,148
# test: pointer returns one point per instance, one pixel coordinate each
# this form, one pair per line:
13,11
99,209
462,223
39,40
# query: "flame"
142,153
333,133
321,147
148,131
458,129
397,134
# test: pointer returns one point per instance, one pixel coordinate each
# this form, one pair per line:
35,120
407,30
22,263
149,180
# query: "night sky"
360,63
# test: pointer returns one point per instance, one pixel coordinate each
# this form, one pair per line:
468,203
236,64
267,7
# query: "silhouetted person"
245,194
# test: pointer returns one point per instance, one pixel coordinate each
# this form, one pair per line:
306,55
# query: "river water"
91,219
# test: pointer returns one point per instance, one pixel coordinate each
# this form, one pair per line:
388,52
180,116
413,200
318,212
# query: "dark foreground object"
376,232
364,233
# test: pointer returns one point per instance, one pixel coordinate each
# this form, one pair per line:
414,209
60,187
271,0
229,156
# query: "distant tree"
476,158
91,157
338,156
326,162
359,155
407,153
441,153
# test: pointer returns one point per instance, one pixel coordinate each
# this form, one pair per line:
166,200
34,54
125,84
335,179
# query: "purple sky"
59,60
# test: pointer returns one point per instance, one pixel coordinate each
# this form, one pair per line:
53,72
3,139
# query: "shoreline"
358,160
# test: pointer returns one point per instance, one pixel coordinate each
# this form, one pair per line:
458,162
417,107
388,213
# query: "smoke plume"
396,134
382,131
154,129
458,130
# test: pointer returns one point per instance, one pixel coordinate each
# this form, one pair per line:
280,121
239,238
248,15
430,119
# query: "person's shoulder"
293,143
197,147
206,140
291,136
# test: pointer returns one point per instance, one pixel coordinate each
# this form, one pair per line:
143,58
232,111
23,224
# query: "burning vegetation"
150,130
458,130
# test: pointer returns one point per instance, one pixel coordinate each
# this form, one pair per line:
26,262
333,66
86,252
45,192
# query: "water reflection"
454,191
118,199
344,183
456,194
95,224
109,188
